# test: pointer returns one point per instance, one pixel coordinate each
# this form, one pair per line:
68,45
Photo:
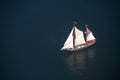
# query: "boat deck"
88,44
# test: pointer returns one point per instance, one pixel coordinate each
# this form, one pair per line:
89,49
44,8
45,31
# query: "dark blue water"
32,32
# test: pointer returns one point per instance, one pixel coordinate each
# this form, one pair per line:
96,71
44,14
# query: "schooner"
77,41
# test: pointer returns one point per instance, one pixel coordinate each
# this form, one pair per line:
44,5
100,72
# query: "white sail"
69,42
90,37
79,37
67,46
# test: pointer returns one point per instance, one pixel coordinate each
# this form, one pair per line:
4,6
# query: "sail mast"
87,30
74,35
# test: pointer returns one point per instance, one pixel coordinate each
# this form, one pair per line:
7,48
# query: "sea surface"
32,33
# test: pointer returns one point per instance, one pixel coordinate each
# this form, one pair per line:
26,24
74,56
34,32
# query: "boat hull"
88,44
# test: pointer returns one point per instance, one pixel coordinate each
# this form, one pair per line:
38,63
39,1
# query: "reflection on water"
79,62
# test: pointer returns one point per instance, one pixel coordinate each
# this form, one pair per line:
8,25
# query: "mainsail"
89,35
78,36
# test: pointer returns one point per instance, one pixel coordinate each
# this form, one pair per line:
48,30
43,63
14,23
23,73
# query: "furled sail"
69,42
89,35
79,37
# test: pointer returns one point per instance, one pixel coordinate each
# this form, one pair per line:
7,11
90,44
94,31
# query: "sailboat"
77,41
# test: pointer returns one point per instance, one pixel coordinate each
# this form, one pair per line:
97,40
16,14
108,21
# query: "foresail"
70,45
69,42
79,37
